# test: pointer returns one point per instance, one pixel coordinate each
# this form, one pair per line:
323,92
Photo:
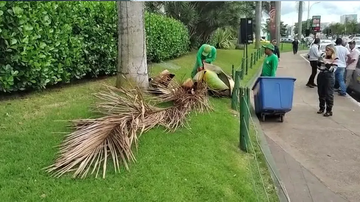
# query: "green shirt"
270,65
199,58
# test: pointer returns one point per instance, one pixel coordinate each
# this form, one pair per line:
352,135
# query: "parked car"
323,44
355,82
325,41
286,40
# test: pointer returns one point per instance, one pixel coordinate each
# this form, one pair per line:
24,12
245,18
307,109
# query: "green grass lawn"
287,47
201,164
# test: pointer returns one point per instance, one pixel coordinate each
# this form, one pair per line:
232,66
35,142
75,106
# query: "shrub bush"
44,43
162,46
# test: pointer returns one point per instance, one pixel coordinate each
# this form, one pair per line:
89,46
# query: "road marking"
303,57
347,96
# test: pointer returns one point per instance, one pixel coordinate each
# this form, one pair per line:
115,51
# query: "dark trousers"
313,65
295,49
325,82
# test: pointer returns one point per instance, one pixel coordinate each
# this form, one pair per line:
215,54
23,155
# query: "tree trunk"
132,65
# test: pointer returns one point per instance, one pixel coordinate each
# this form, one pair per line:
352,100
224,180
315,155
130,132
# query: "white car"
323,44
357,43
325,41
323,47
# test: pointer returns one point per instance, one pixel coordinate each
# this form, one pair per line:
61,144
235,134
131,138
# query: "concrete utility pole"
258,24
278,20
300,20
308,17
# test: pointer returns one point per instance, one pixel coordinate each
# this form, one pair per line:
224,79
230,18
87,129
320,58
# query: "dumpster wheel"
263,117
282,118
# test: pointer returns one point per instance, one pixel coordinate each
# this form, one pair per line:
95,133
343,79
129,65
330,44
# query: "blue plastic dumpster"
273,96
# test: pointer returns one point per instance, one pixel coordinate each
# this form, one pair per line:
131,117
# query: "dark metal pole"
246,46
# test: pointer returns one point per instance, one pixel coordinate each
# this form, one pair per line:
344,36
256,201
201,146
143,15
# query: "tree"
351,27
304,24
203,18
283,27
154,6
132,64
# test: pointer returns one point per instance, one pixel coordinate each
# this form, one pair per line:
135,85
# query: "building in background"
348,18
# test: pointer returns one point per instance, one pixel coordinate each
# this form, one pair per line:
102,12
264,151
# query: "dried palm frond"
194,98
162,80
124,101
127,115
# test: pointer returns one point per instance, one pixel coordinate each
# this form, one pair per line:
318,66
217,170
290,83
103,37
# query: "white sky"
330,11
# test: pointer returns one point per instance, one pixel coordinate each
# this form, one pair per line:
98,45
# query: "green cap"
269,46
207,50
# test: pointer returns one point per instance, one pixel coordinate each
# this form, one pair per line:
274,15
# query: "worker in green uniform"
206,53
271,61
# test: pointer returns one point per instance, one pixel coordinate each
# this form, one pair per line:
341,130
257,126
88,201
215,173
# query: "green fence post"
242,68
232,72
254,60
235,93
243,127
251,60
246,65
248,101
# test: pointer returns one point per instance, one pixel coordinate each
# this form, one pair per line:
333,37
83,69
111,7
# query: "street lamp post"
308,14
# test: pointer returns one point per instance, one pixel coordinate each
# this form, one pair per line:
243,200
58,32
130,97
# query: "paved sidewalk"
318,158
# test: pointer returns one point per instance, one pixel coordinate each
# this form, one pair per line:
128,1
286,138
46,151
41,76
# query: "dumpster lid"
272,77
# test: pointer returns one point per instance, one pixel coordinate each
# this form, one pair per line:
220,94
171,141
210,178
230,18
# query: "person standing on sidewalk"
276,49
341,53
351,63
271,61
326,81
295,45
313,55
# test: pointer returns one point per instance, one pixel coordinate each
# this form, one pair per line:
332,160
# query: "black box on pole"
246,31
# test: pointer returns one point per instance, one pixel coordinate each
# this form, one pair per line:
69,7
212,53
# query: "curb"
274,173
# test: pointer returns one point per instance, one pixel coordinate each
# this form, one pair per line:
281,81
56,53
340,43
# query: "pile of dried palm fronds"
126,115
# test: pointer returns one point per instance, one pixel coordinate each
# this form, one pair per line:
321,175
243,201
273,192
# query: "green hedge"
44,43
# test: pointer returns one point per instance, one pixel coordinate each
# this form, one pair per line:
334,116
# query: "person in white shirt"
341,53
351,62
313,55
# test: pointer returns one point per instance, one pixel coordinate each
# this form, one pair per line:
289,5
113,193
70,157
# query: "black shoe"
327,114
309,85
321,111
314,85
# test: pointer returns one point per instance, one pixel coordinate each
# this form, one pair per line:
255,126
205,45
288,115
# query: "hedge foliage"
44,43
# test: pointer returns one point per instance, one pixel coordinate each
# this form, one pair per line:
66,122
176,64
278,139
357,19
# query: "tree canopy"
283,27
346,28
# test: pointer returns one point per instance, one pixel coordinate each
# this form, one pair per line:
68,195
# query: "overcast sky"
330,11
